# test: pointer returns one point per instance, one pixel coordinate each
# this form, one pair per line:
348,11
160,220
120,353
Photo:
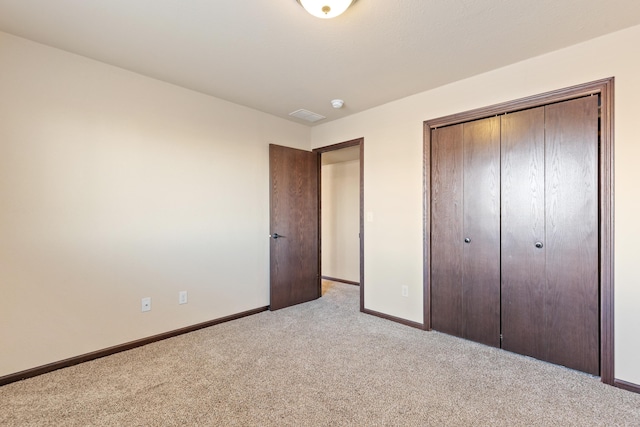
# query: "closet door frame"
604,88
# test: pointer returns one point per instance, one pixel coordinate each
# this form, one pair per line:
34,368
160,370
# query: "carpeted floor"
316,364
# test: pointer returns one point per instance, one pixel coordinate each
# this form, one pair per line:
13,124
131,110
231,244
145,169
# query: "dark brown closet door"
571,191
446,230
481,231
523,225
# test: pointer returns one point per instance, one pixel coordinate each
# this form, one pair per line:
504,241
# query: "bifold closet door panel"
572,306
523,226
446,230
481,231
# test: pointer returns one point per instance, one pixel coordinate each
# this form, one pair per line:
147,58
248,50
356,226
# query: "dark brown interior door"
550,278
523,225
481,230
571,192
294,261
550,190
446,230
465,230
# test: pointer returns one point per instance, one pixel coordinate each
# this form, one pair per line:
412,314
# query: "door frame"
604,88
352,143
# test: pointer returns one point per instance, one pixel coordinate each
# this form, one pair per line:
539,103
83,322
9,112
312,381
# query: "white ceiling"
272,56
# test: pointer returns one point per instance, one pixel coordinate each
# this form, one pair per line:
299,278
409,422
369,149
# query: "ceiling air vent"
307,115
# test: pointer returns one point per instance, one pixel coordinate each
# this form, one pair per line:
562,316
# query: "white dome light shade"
326,8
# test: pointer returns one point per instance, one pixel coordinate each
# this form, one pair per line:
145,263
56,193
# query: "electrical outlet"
405,291
182,297
146,304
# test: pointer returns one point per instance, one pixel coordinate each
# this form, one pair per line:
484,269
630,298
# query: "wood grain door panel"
572,241
294,261
481,226
523,225
446,234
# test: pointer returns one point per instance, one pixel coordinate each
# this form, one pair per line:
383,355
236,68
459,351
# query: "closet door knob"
467,240
539,245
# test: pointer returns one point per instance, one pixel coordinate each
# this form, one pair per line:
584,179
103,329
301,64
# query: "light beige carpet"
317,364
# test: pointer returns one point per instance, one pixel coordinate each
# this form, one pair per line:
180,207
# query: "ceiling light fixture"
326,8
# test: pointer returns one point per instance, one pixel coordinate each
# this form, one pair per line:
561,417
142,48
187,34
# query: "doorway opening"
341,213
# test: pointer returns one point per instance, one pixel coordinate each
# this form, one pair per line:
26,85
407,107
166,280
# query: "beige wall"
341,220
115,187
393,173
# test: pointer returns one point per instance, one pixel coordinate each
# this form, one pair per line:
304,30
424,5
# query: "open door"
294,258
